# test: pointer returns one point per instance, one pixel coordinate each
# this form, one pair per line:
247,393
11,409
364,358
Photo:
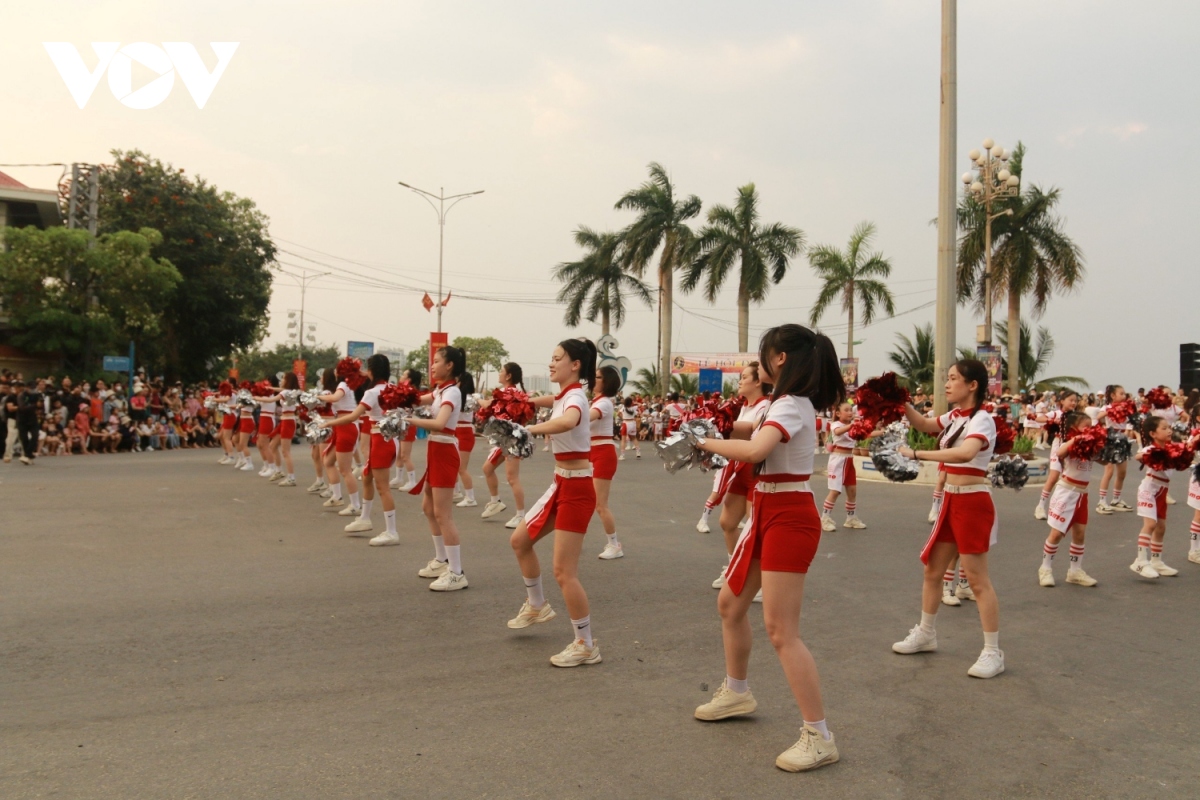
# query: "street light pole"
303,279
990,181
947,142
441,209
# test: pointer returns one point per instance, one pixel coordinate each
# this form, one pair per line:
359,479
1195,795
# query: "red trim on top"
571,456
566,389
444,384
957,470
981,437
773,424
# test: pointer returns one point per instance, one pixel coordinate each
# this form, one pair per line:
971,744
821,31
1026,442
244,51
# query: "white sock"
521,513
366,507
291,476
706,513
454,553
927,622
495,499
820,727
734,685
533,588
355,500
389,518
412,477
583,629
393,473
991,641
612,538
471,495
439,549
337,491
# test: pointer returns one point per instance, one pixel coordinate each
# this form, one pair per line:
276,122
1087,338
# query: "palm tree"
598,281
761,251
687,385
1034,359
1031,254
646,382
913,358
852,276
661,227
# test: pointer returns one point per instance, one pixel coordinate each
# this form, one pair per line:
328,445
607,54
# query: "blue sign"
711,380
360,350
116,363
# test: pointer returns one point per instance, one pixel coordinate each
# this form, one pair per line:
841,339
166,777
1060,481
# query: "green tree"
597,281
256,364
686,385
737,236
217,241
661,227
66,292
1034,359
1031,254
647,382
485,351
419,360
852,276
913,358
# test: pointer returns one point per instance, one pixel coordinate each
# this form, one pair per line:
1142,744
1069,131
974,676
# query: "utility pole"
441,209
947,291
304,280
83,211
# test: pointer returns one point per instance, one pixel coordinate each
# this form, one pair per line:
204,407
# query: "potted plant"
1023,447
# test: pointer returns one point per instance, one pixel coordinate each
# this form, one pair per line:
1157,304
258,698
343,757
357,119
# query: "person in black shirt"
29,412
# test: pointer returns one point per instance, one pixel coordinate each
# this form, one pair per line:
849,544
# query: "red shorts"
286,429
266,425
494,457
345,437
381,455
604,461
568,505
410,434
782,535
466,438
967,520
743,480
1152,499
246,425
228,421
364,427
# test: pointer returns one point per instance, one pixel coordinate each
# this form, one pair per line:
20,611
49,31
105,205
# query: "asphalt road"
171,628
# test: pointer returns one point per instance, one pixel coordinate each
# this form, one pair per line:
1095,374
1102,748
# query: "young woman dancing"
566,507
229,416
266,432
510,378
629,429
284,431
345,439
966,527
1068,511
441,470
245,430
781,538
407,477
465,431
603,455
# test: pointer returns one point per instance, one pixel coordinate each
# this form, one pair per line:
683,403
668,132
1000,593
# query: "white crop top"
978,426
575,443
448,394
466,418
1159,475
754,413
843,439
602,428
792,458
370,402
1076,469
347,403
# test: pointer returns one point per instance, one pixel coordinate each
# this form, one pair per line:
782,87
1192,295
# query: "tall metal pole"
987,271
300,338
947,145
441,246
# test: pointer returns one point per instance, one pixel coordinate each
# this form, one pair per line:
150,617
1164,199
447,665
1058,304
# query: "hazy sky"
555,109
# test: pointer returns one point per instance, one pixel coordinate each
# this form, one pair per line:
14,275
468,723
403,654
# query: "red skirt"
381,455
364,427
410,434
266,425
967,520
466,438
568,505
345,437
604,461
441,467
286,429
227,421
495,457
782,535
246,425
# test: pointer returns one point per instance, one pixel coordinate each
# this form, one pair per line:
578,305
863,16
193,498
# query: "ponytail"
584,351
515,375
810,367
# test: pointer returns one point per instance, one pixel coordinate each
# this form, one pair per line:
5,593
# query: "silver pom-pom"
290,397
309,400
1117,449
1009,472
210,402
315,434
1180,431
471,403
885,454
678,451
393,425
511,438
244,399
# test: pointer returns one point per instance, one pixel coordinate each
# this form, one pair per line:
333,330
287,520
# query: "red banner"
300,368
436,340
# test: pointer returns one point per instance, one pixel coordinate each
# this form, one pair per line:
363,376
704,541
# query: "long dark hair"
466,384
380,368
515,374
610,381
414,377
329,380
810,366
760,376
456,357
970,369
290,381
583,351
1109,391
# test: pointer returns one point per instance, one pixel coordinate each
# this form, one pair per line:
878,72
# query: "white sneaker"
933,514
989,664
287,482
350,511
333,502
1039,512
1080,578
1121,505
407,487
948,596
514,522
917,641
727,703
612,550
225,460
456,497
963,591
639,455
449,582
528,615
359,525
248,466
757,597
434,569
577,653
854,522
810,752
720,581
265,471
1045,577
827,523
278,476
467,503
1104,508
1142,567
1170,500
326,493
1194,556
702,525
1162,569
493,508
395,482
622,456
316,486
385,539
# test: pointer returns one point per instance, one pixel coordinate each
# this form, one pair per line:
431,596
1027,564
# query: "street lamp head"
987,144
977,187
1003,175
1005,155
997,151
967,178
973,155
405,185
1014,181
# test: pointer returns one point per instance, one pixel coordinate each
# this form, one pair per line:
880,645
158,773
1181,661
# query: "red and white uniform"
1108,422
1031,416
229,415
737,477
1152,493
381,453
287,420
1170,413
629,421
1194,491
570,501
441,457
603,452
1069,503
968,516
465,431
1055,417
784,527
841,459
266,419
345,437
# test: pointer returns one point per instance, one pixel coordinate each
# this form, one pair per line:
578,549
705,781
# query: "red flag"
427,301
447,300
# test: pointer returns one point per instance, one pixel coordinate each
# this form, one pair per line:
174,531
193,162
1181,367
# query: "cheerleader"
566,507
781,538
603,455
967,525
345,439
1054,418
1152,504
1069,507
441,469
841,472
325,455
266,431
245,430
1194,502
465,431
224,401
629,426
284,431
406,479
1113,394
510,378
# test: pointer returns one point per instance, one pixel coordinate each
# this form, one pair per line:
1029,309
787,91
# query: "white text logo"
163,61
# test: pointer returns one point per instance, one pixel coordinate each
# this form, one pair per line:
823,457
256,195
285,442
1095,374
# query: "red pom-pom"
302,414
1087,443
1006,435
247,386
1119,413
722,414
1158,398
510,404
398,395
262,389
225,389
861,429
881,400
350,371
1173,455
